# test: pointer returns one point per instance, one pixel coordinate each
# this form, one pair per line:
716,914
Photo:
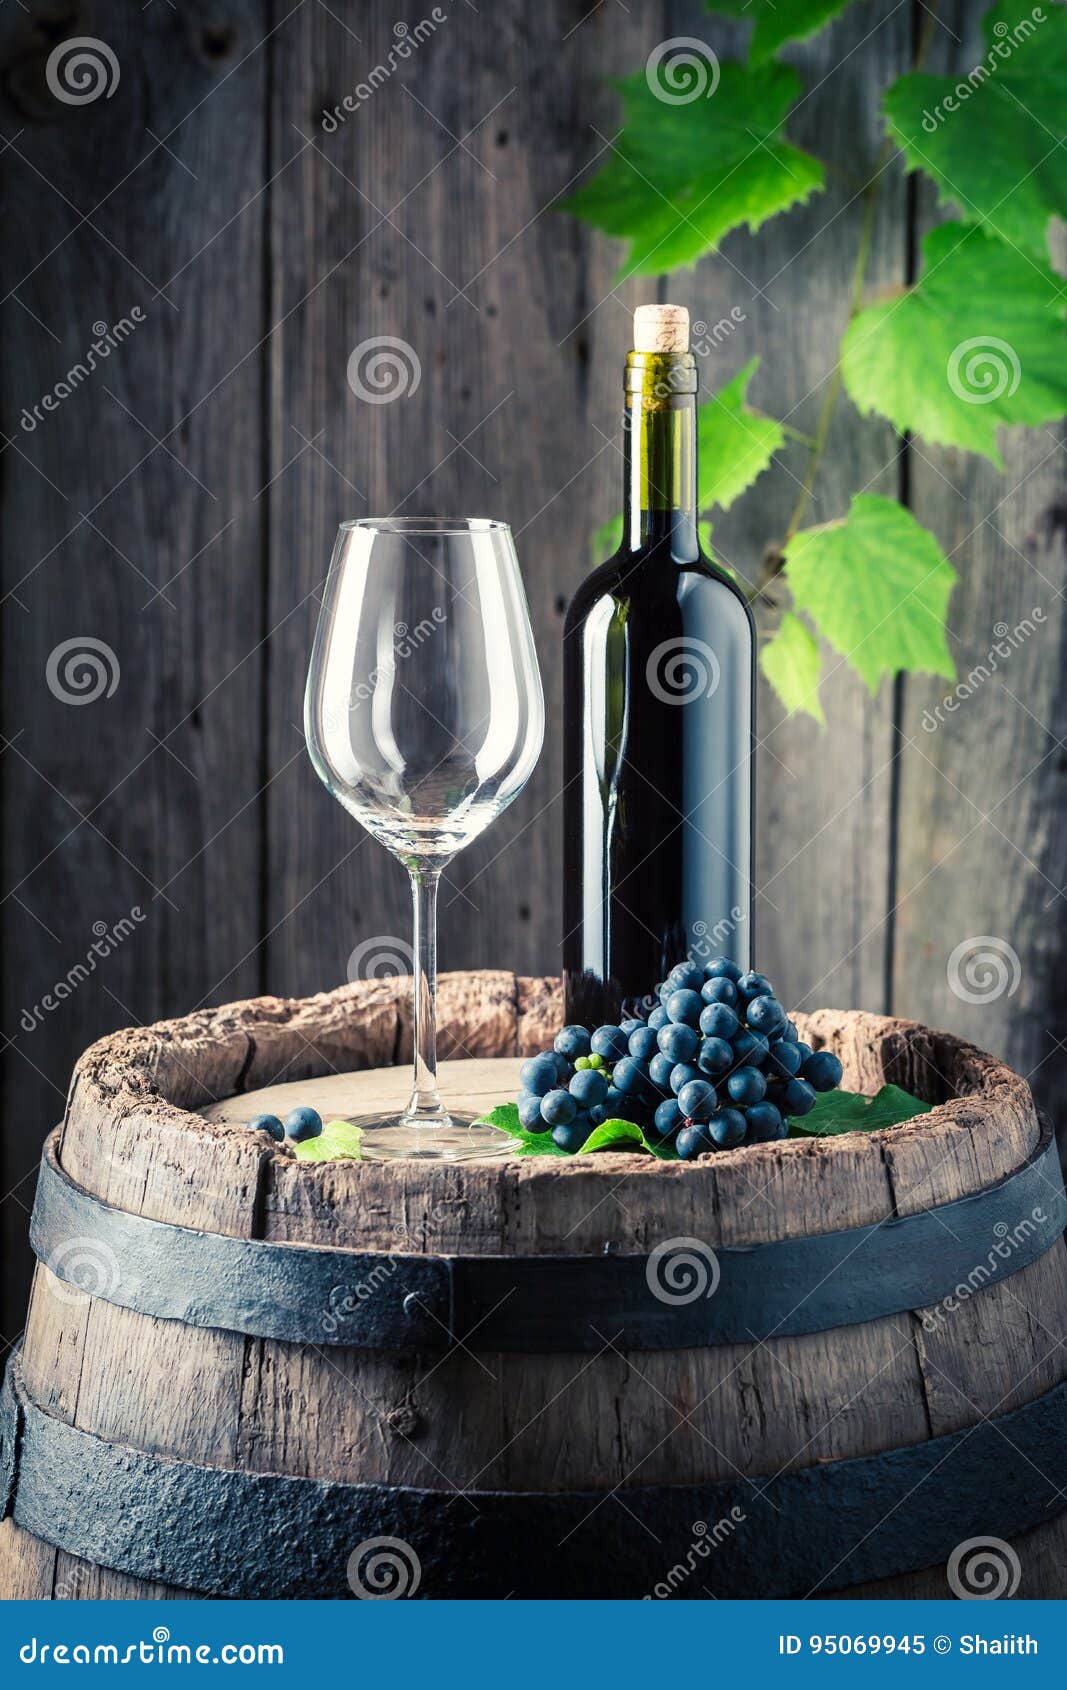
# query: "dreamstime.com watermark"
682,1270
1009,1239
983,968
407,40
407,641
107,940
107,338
158,1651
383,1569
705,1539
682,669
1009,37
1008,640
682,70
81,670
983,1569
82,69
706,942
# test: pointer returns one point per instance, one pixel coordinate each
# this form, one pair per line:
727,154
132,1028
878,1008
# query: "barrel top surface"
152,1108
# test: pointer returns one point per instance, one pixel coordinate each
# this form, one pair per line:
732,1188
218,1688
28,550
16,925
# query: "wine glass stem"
425,1107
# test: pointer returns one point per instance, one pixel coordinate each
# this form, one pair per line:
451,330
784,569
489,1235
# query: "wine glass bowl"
424,716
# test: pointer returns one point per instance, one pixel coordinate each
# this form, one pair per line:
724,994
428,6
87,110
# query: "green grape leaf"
611,1135
849,1112
992,138
778,21
791,663
339,1141
976,345
607,539
699,155
734,444
877,584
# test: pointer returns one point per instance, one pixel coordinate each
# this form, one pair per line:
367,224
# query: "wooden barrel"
809,1367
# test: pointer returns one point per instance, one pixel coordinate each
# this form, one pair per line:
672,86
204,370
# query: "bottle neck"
660,449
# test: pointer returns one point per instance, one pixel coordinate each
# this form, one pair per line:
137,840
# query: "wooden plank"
96,517
981,855
823,799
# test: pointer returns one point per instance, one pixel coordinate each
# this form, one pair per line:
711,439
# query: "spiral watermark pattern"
380,958
983,969
82,70
983,1569
682,70
83,1268
682,1270
681,670
81,670
983,369
383,1569
384,368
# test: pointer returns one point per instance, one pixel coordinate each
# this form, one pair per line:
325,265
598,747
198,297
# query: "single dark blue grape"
805,1052
697,1100
658,1018
822,1070
643,1043
790,1035
685,1007
630,1077
572,1042
558,1108
571,1135
686,977
783,1060
727,1128
719,990
609,1042
766,1015
798,1098
750,1048
631,1024
267,1124
599,1114
564,1069
682,1073
693,1142
589,1086
721,967
714,1056
530,1111
679,1041
539,1074
614,1103
659,1071
668,1117
302,1124
719,1021
753,985
746,1085
764,1123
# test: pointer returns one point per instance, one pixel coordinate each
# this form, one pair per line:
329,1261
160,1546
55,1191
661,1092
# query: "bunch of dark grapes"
716,1064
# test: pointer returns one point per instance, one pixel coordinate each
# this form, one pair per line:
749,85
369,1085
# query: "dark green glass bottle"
658,720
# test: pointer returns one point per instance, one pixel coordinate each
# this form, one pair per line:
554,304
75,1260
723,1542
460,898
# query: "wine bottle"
658,720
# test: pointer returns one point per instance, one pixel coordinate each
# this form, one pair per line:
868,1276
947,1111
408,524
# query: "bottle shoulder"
656,577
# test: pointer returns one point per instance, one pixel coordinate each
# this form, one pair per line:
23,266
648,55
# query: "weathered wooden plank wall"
180,506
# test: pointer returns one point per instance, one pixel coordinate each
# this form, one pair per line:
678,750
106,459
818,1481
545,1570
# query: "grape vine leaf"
339,1141
734,443
850,1112
791,663
991,138
877,585
610,1135
689,167
778,21
977,344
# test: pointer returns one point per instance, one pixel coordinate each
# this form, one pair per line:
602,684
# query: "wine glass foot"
457,1138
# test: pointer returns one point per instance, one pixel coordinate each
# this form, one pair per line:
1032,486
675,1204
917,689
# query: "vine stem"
859,280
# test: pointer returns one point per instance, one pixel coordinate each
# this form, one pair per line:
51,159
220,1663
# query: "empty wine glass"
424,717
